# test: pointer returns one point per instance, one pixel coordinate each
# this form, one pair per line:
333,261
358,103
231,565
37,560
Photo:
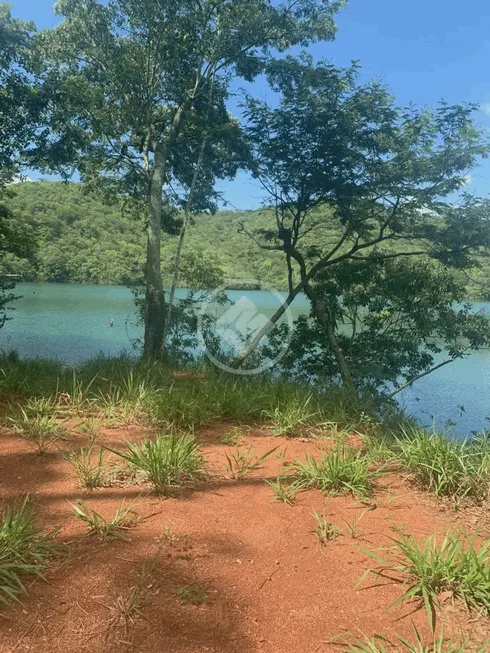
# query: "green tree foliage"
367,220
134,77
393,318
20,97
85,240
23,101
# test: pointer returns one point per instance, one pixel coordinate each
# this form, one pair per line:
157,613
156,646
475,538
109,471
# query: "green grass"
125,390
283,490
342,471
293,418
453,563
90,426
24,549
240,462
128,604
167,461
379,644
42,406
42,431
446,467
195,594
89,468
128,399
324,530
352,527
233,435
380,446
124,519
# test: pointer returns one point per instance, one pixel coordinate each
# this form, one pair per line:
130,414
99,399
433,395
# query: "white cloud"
485,107
467,180
21,179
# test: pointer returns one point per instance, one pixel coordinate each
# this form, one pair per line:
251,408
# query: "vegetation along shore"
246,480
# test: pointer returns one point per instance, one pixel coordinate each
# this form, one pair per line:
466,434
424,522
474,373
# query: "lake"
71,322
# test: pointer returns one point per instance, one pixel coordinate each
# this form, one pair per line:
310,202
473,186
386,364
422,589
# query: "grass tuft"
129,604
444,466
353,526
167,462
453,565
232,436
195,594
380,644
293,418
89,426
324,530
90,470
42,431
24,549
42,406
284,490
124,519
241,462
342,471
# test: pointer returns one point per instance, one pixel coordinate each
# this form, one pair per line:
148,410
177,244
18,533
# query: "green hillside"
83,240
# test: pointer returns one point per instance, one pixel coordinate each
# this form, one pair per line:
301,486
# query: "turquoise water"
71,322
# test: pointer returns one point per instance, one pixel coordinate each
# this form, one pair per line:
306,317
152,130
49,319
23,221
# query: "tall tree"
354,179
23,102
134,75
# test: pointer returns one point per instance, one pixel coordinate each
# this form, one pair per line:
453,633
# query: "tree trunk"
323,317
155,297
178,255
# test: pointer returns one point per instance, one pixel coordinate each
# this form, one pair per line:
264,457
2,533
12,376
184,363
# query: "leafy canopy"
367,219
124,69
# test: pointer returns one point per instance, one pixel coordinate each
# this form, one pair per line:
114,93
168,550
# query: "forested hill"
83,240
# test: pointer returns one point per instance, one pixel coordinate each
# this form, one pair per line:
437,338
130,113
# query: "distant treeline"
81,239
84,240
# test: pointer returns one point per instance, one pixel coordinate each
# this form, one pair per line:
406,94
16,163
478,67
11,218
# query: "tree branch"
427,372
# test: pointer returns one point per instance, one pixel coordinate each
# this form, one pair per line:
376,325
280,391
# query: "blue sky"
424,50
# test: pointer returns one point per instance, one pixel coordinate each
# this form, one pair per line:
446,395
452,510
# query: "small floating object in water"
111,322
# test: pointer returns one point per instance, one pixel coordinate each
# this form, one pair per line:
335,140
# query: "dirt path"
266,582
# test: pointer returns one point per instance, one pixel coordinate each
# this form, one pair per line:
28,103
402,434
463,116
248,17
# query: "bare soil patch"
260,579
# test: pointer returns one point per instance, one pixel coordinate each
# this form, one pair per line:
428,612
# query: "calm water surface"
71,322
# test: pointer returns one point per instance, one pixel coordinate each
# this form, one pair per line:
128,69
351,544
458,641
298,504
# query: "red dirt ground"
272,587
